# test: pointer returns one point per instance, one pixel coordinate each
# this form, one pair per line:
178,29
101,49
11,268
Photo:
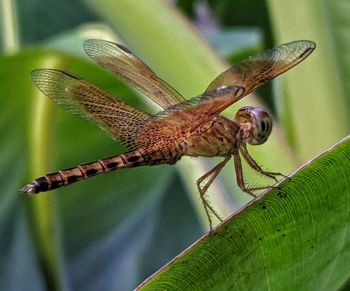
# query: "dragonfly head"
256,124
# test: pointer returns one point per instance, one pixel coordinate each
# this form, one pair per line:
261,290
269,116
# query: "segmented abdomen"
69,176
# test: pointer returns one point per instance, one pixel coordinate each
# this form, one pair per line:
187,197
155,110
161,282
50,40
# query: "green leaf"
18,254
293,238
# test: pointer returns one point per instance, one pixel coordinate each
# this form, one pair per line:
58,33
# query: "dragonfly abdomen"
84,171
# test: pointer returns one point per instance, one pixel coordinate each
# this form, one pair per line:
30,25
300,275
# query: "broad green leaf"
293,238
19,263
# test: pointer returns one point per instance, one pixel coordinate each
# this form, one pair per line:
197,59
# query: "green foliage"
292,238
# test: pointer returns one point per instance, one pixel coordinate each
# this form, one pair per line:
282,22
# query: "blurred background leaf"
113,231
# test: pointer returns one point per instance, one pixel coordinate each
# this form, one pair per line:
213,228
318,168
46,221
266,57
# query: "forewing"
123,63
82,98
235,83
192,113
260,69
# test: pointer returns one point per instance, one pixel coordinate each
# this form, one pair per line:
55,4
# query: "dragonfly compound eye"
259,121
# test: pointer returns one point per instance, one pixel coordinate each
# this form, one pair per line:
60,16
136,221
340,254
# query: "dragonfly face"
184,127
259,124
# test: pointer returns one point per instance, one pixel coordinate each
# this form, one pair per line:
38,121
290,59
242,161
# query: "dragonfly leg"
202,190
239,175
252,163
240,178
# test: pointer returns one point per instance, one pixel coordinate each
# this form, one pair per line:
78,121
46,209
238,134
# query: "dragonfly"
185,127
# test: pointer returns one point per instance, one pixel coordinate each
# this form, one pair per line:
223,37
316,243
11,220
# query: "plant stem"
315,96
43,207
10,40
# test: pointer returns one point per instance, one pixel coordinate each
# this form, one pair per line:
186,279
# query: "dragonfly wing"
235,83
84,99
123,63
260,69
196,111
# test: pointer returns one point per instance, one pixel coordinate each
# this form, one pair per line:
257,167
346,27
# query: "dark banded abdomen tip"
30,189
38,185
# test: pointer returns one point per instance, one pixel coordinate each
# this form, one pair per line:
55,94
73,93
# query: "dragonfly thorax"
256,124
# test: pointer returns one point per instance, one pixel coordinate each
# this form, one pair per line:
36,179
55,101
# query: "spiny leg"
213,173
252,163
203,190
240,178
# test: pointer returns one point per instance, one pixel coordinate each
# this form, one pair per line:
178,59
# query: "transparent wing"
260,69
79,97
196,111
123,63
235,83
